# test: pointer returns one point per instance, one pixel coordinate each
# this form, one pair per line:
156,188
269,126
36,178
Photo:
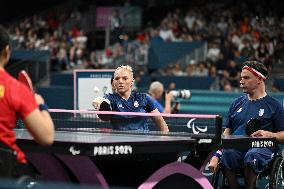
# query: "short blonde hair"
156,86
126,67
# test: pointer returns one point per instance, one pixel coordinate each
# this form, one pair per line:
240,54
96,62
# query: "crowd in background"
233,31
66,47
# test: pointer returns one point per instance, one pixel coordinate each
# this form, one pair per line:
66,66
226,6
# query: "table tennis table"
84,145
103,143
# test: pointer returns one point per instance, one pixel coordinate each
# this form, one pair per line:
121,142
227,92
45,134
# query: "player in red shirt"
17,101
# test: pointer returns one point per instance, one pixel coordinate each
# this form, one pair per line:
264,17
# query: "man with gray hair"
156,90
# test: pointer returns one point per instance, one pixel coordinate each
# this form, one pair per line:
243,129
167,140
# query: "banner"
89,84
131,16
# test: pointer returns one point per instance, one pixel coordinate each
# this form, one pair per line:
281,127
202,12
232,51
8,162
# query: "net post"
218,131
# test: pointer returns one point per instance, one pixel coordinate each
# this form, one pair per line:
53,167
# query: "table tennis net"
193,125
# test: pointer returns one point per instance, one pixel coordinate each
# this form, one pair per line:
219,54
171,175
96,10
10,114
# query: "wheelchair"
8,162
272,177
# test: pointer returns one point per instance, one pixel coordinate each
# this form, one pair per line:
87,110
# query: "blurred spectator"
221,63
246,48
212,71
234,74
201,69
189,19
262,52
93,62
155,37
213,52
171,86
224,79
62,57
191,69
227,86
177,70
116,26
165,32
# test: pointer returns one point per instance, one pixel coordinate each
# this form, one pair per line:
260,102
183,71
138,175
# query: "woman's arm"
40,124
159,120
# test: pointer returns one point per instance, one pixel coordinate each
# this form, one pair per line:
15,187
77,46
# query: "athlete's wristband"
218,154
43,107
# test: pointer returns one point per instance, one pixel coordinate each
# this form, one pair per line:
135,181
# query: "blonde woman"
124,99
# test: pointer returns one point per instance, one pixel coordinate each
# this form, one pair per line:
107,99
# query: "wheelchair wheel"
276,176
27,182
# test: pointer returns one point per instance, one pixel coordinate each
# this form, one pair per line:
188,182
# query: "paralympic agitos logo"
196,129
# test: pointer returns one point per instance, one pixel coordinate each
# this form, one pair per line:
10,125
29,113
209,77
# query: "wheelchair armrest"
8,161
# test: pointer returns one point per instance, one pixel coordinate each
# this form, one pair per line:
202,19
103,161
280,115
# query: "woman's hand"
213,164
97,102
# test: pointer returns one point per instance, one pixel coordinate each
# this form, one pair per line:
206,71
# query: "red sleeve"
24,100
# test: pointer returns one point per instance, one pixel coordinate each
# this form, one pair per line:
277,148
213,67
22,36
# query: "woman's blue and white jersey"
137,102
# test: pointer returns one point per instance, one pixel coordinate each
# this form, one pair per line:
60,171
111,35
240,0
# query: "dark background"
12,9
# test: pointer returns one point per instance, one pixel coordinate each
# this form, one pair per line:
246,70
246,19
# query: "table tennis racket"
253,125
25,79
105,107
